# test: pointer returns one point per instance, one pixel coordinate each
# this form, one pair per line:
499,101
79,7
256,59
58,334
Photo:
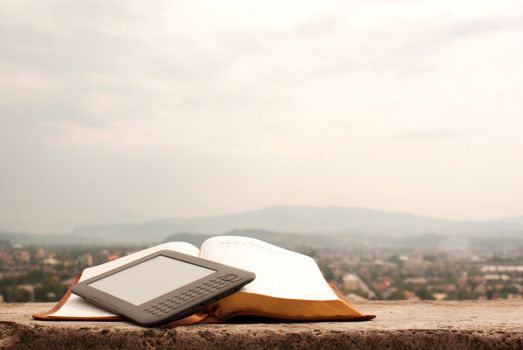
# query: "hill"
280,219
300,220
314,221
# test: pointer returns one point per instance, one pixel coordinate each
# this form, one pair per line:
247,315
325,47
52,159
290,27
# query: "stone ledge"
399,325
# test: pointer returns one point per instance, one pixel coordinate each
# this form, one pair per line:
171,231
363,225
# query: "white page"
76,306
279,272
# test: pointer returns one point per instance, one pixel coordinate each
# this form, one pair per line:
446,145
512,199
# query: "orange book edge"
263,306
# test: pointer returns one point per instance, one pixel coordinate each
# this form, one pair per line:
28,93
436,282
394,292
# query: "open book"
288,285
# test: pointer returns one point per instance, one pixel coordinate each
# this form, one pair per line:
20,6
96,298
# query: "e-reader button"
229,277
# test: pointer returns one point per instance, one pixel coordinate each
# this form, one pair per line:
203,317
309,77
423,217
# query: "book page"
280,273
76,306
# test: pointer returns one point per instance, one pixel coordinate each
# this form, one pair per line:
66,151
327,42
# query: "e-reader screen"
150,279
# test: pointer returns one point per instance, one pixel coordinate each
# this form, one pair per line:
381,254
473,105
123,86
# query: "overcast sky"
122,111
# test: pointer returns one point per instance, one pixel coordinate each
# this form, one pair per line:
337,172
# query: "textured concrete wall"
399,325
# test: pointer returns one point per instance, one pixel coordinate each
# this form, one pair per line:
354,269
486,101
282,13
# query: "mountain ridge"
350,221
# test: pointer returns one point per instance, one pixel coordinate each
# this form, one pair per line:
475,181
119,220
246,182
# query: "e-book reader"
162,287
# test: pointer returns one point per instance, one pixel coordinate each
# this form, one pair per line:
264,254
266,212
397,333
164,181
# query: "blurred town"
41,274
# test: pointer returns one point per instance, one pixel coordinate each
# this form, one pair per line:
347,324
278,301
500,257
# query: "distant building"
86,259
415,280
112,257
440,296
23,256
410,295
51,260
497,277
502,268
40,253
351,282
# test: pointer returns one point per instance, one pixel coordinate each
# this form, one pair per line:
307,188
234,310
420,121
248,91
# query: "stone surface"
399,325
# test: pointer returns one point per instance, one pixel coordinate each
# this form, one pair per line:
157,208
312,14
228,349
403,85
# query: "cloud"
144,103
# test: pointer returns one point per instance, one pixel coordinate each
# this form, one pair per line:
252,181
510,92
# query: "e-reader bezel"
224,281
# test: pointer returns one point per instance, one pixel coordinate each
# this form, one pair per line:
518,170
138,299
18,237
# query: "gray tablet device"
162,287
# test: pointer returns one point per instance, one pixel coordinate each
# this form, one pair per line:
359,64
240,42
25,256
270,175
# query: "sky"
125,111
